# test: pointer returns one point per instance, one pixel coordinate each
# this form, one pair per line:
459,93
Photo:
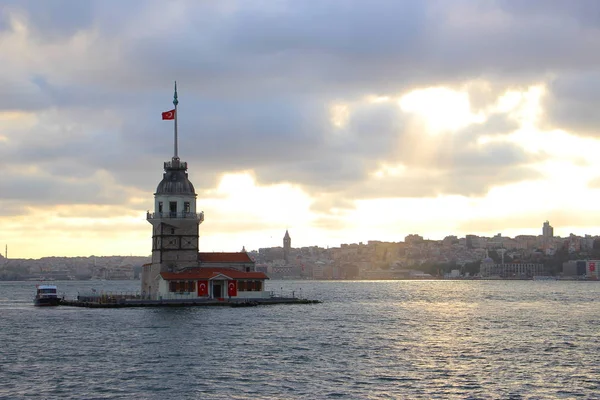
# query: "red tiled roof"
208,273
224,257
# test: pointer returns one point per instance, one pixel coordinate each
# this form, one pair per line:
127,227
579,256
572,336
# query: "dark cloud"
581,12
39,189
572,103
50,20
318,46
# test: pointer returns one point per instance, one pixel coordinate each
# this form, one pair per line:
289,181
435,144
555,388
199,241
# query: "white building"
489,269
214,283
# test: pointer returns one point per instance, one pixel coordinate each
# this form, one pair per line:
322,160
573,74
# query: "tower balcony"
175,164
175,215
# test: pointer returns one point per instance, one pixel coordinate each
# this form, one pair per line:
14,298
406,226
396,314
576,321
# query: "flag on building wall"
169,114
232,288
202,288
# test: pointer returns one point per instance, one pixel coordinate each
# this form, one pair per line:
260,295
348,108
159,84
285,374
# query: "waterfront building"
489,269
178,269
582,269
574,268
592,269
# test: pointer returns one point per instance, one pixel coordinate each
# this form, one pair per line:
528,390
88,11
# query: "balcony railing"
179,215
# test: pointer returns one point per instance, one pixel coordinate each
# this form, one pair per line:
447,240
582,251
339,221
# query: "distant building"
547,230
472,242
287,246
450,240
413,239
588,269
489,269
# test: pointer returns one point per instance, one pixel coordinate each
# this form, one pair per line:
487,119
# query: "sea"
445,339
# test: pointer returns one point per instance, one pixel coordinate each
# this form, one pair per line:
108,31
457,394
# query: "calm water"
393,339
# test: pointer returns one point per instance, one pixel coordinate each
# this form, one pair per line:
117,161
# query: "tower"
287,246
175,222
547,230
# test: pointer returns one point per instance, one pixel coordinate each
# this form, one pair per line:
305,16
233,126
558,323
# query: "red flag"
232,288
169,114
202,288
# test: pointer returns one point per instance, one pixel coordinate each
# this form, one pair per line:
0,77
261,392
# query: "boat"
46,295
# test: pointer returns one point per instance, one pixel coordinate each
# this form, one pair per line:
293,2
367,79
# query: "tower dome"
175,179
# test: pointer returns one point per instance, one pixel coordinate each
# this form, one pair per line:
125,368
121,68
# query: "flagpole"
175,102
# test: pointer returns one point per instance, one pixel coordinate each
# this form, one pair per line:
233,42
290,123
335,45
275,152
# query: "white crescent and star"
169,114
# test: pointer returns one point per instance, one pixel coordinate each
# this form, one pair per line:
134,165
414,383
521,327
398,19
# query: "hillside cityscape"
469,257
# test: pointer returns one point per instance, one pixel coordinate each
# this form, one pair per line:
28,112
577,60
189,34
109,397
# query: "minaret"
287,246
175,222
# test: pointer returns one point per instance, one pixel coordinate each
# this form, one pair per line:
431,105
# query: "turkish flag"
232,288
169,114
202,288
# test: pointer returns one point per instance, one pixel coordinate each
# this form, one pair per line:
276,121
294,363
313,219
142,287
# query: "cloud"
257,81
243,48
50,20
572,103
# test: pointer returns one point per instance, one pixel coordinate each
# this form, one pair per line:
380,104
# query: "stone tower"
175,222
287,246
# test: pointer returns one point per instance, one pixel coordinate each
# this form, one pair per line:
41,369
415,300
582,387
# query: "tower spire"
175,102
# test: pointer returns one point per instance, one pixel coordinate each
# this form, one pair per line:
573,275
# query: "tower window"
160,206
173,208
186,206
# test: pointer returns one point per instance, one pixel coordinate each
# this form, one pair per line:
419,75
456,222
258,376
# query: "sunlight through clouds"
442,109
390,170
339,115
238,195
523,106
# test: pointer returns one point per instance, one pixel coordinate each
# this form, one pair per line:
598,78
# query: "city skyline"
547,233
382,119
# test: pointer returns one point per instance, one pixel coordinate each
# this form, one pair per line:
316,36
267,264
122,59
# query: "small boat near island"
46,295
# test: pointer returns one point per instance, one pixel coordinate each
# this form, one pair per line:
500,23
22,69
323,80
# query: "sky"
340,120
